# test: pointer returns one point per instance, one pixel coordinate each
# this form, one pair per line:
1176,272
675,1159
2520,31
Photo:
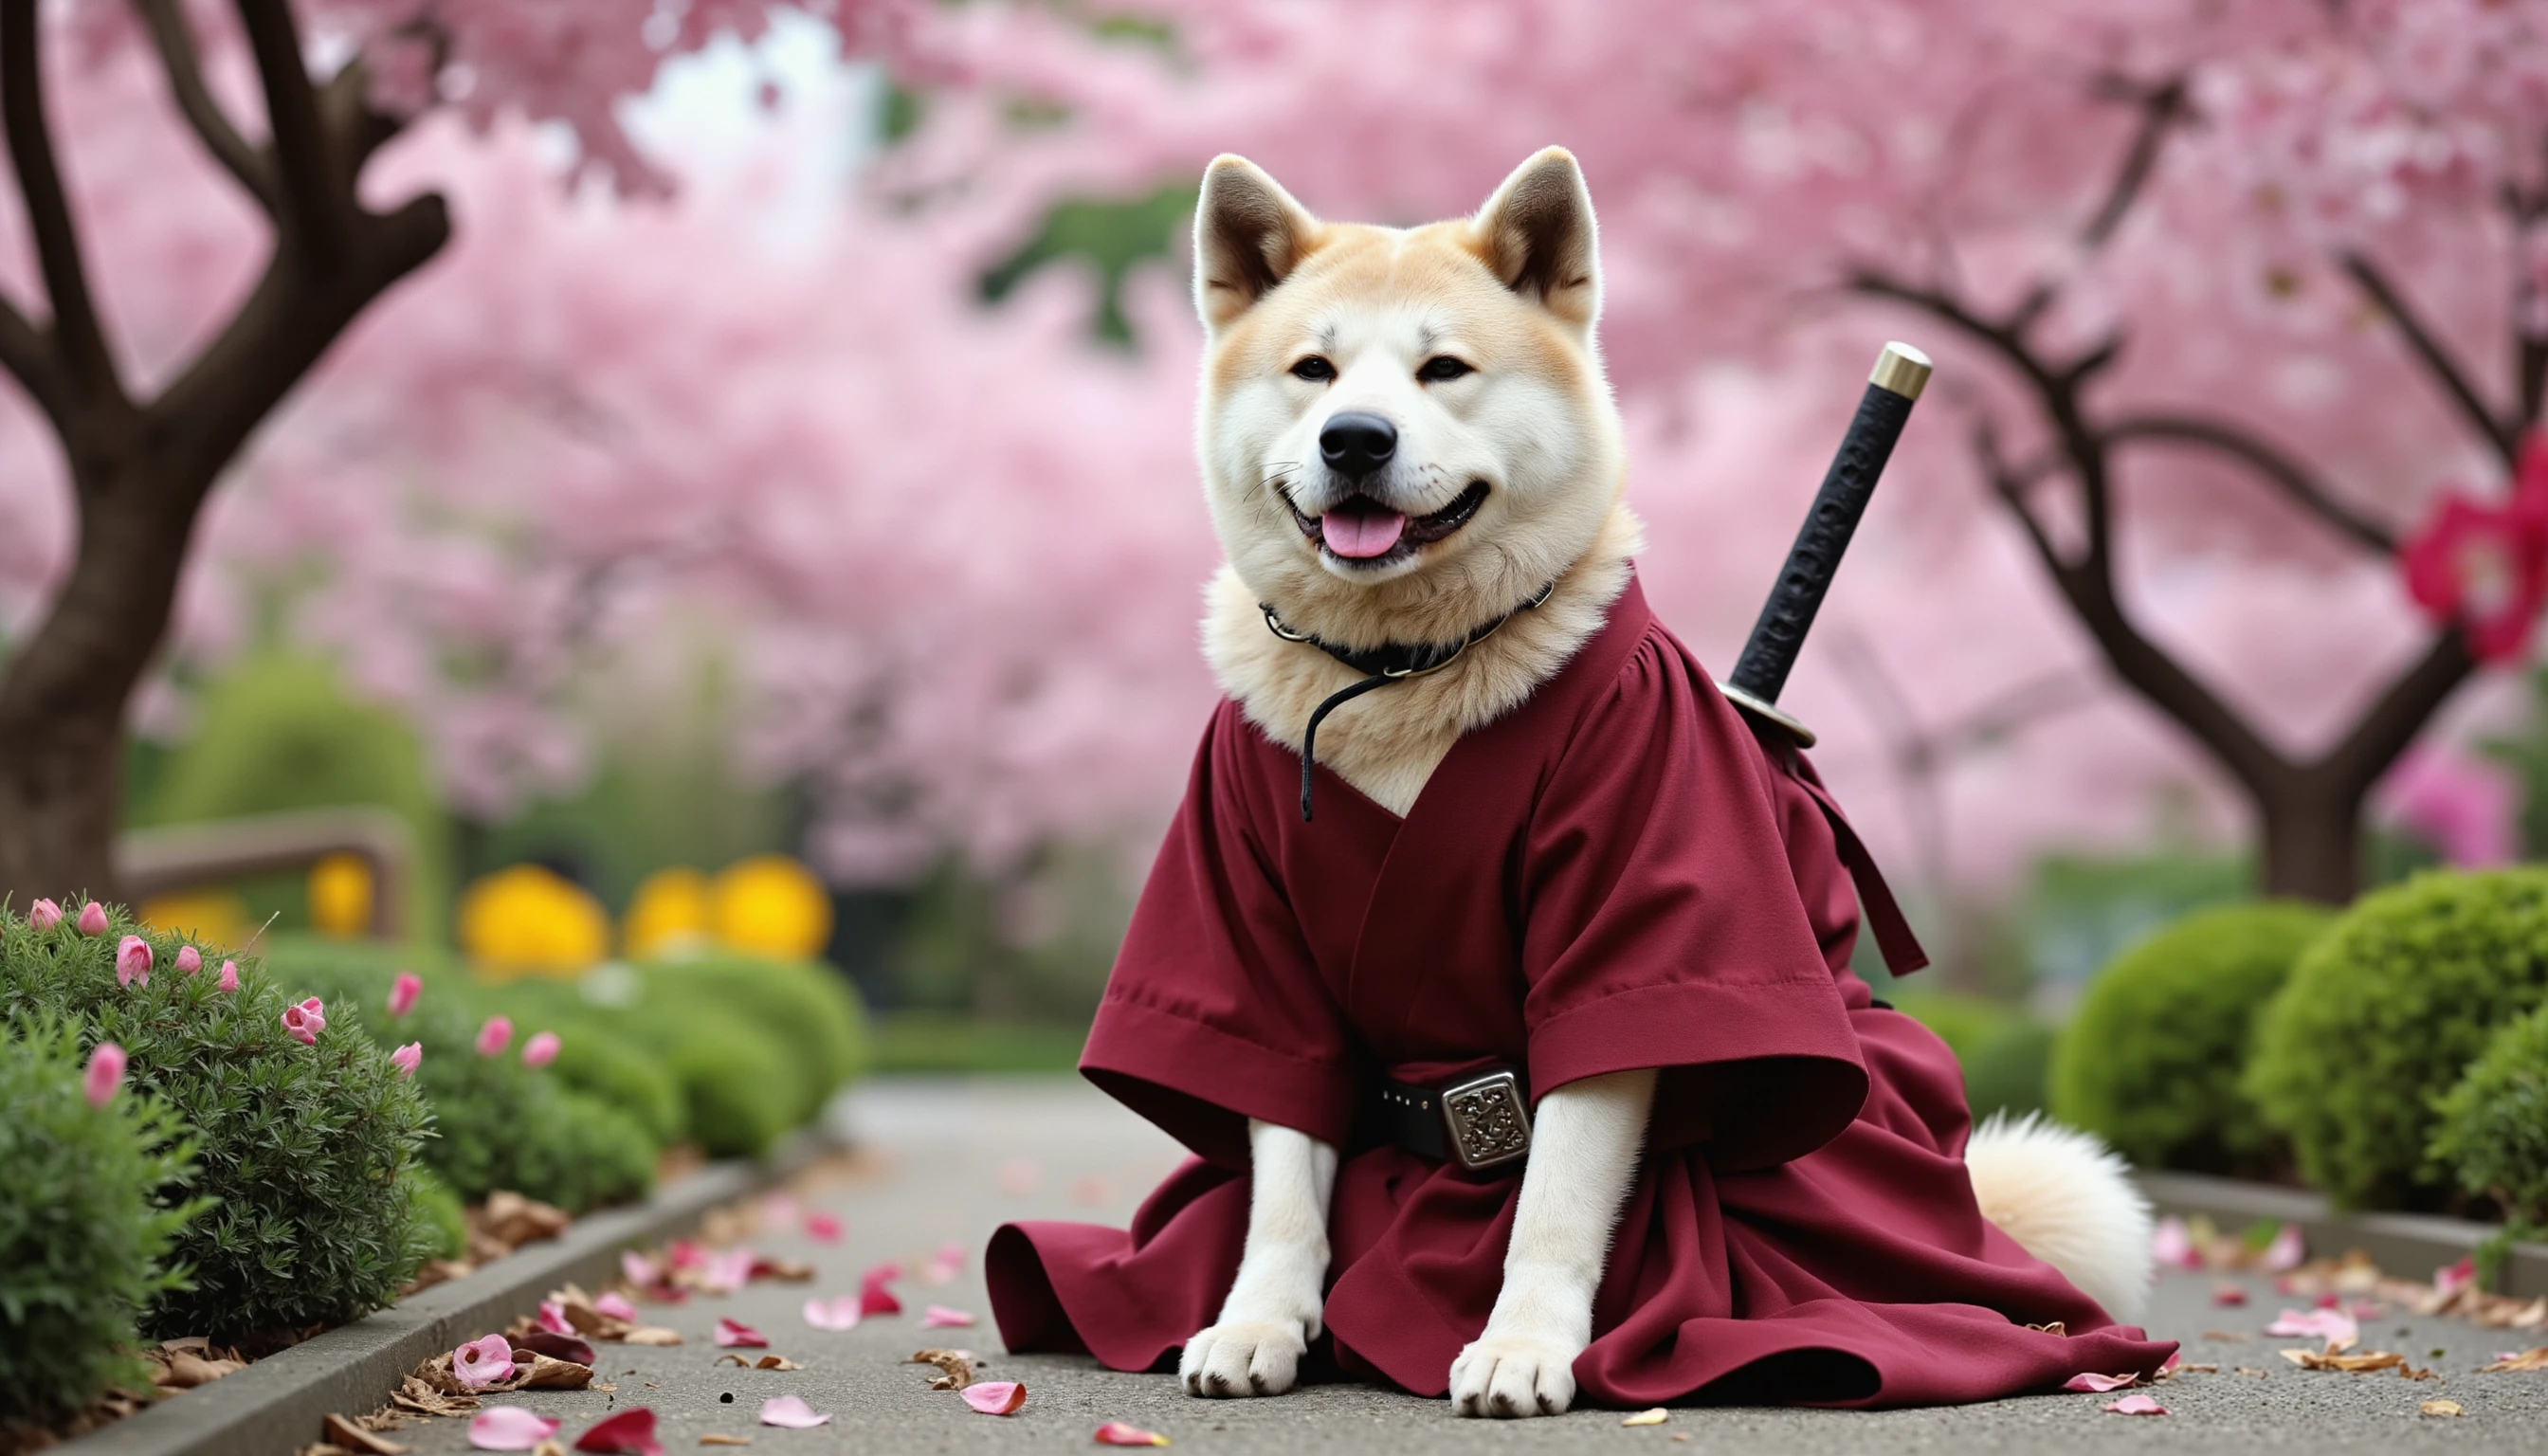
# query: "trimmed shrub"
2492,1128
2151,1060
2383,1013
441,1210
742,1099
308,1147
2002,1047
87,1224
805,1004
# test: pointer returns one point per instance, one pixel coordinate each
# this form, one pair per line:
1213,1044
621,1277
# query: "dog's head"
1404,431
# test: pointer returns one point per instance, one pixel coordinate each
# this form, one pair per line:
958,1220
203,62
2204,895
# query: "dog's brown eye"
1314,368
1441,367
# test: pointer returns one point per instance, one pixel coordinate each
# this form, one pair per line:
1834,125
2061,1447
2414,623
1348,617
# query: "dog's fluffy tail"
2070,1200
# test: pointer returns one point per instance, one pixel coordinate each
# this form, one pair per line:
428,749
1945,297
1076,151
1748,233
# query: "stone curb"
2409,1245
275,1405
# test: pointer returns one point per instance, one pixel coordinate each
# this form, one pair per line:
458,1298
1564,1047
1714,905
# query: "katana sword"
1900,373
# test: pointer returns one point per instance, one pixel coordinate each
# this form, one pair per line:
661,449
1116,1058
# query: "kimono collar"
1391,662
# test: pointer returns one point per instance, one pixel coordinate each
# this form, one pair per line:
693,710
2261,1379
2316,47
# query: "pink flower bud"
297,1021
541,1049
495,1035
403,991
105,1074
189,959
407,1057
132,960
43,915
229,977
92,919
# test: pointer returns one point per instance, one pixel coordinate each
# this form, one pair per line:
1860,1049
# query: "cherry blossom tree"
2225,296
143,440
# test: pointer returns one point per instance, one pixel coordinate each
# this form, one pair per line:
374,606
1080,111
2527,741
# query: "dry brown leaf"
509,1219
343,1432
2196,1370
2225,1337
196,1342
549,1447
187,1370
544,1374
956,1368
2535,1358
787,1271
766,1362
424,1399
713,1438
650,1334
2333,1358
2249,1370
2441,1407
2055,1327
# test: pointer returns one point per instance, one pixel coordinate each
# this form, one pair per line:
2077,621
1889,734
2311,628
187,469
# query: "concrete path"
950,1161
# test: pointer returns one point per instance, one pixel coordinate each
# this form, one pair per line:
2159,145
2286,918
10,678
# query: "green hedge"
2002,1047
309,1149
2492,1128
86,1223
2383,1013
806,1004
2151,1059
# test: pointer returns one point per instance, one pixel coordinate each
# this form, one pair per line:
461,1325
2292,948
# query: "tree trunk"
2311,840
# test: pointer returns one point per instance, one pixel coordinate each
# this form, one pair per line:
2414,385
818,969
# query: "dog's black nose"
1357,444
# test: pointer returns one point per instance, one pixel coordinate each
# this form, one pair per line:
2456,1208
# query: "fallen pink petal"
792,1412
834,1315
939,1317
407,1059
2326,1324
403,991
541,1049
617,1307
509,1428
995,1397
92,919
1117,1433
686,1253
2286,1252
2226,1295
483,1362
105,1074
735,1334
823,1228
2451,1278
2173,1246
2090,1380
876,1299
495,1035
43,915
2135,1405
229,977
132,962
189,959
553,1318
631,1432
726,1272
639,1270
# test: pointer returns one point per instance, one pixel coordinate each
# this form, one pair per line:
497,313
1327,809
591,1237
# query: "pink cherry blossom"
43,915
791,1412
509,1428
494,1034
483,1361
92,919
726,1270
541,1049
407,1059
995,1397
105,1074
189,959
132,962
403,991
230,977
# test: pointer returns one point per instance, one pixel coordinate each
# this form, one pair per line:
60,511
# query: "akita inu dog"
1405,436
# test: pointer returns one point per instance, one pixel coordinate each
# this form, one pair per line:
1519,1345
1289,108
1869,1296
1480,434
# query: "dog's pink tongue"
1360,534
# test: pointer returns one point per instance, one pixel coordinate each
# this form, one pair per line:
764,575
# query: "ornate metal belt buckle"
1488,1120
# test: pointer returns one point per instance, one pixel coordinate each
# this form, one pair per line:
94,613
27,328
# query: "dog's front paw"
1243,1357
1505,1376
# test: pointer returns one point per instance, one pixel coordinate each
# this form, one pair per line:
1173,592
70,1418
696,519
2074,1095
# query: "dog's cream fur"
1514,294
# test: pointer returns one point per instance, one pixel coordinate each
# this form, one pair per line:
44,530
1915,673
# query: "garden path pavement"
950,1160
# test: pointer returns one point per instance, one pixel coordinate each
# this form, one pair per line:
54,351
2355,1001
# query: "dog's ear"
1536,233
1249,234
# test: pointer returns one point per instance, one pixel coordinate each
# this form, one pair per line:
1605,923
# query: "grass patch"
940,1042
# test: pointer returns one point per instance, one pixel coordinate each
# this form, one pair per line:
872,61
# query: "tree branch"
29,355
77,339
316,215
2161,107
176,40
2286,474
2401,712
2437,360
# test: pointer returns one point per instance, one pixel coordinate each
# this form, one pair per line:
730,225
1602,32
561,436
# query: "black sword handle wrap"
1775,638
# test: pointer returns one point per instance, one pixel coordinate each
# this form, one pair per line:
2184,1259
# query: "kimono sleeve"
1215,1011
1664,928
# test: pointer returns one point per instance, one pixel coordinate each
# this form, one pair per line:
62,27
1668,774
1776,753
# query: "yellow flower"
771,905
339,894
210,918
528,920
671,913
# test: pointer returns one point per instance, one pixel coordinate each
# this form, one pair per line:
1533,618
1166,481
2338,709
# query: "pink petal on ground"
2226,1294
1117,1433
834,1314
686,1253
509,1428
541,1049
483,1362
2174,1359
43,915
407,1059
132,960
939,1317
2326,1324
631,1432
735,1334
876,1299
495,1035
792,1411
2329,1302
92,919
2172,1245
105,1074
613,1305
726,1272
2366,1310
2090,1380
2450,1278
822,1227
2286,1252
553,1318
638,1270
230,977
995,1397
189,959
943,1265
2136,1405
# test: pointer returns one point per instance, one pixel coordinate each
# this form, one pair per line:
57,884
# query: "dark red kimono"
1614,875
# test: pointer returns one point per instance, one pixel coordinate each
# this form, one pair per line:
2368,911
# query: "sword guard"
1768,713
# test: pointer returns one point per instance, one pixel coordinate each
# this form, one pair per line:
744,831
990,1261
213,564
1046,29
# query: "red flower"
2486,567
